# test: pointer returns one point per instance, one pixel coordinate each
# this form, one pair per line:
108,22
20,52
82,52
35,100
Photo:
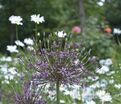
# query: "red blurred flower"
107,30
76,29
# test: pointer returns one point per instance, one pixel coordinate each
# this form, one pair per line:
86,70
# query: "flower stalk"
36,32
16,32
57,92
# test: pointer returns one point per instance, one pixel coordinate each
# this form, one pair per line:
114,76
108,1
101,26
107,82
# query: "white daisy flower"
19,43
90,102
37,19
61,34
12,48
103,96
16,20
28,41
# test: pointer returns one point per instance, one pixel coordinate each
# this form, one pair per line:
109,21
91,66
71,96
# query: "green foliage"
113,12
57,14
95,39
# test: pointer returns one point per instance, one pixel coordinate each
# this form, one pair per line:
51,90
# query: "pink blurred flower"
107,30
76,29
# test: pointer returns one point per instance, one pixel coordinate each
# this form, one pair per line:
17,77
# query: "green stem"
36,35
36,31
119,43
57,92
16,32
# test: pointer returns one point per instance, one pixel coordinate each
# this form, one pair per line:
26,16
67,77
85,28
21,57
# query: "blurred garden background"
92,16
95,24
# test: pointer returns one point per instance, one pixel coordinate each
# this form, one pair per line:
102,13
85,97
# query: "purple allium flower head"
67,66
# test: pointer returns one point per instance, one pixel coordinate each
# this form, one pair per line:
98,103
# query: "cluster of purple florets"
29,95
65,66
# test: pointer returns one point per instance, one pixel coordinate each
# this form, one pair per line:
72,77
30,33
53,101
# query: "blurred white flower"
117,31
75,94
5,82
28,41
90,102
77,87
103,96
16,20
12,70
95,85
51,94
66,92
100,93
76,62
118,86
38,34
111,73
9,77
60,34
30,48
62,101
102,70
87,94
12,48
101,2
62,88
103,83
19,43
102,62
108,62
4,68
7,73
95,78
1,6
37,19
111,81
7,59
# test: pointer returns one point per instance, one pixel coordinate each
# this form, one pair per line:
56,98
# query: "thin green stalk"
119,43
36,35
16,32
57,92
36,29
